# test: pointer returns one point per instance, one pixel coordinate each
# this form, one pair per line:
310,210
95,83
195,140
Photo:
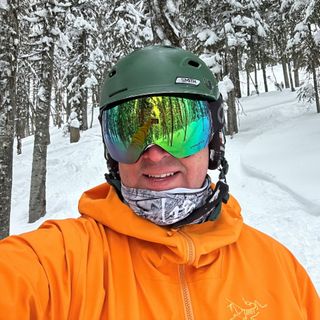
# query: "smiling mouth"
160,176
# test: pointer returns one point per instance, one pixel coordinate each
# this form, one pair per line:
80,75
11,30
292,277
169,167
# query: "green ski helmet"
165,70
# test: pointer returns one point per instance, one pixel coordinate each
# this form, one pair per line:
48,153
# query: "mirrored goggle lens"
180,126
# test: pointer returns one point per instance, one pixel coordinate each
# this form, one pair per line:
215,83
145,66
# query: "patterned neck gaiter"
168,206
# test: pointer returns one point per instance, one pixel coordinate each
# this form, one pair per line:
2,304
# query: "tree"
43,14
9,44
305,40
164,22
230,27
79,30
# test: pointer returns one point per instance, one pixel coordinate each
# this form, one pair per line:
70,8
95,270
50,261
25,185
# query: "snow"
261,32
80,24
147,33
4,5
228,28
301,26
235,4
316,37
225,86
208,36
172,8
73,120
41,94
243,21
47,40
41,13
90,82
232,40
274,173
212,61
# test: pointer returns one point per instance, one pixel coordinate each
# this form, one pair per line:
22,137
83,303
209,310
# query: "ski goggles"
180,126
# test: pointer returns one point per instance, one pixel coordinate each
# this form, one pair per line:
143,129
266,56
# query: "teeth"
164,175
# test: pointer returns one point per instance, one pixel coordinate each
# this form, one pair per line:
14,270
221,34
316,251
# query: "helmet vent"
112,73
116,92
194,63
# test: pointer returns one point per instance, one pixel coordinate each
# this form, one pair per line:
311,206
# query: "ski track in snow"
268,204
279,125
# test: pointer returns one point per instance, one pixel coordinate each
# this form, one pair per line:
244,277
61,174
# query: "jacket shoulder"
46,267
264,244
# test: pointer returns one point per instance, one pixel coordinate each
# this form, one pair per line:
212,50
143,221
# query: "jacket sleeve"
35,274
310,300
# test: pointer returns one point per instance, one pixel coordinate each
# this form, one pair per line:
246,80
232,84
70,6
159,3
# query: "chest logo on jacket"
249,311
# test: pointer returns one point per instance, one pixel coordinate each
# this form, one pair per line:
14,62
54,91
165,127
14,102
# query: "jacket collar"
103,205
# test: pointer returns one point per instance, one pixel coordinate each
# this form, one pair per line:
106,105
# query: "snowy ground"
274,173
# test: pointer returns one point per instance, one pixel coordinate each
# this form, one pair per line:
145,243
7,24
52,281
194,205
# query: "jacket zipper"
182,277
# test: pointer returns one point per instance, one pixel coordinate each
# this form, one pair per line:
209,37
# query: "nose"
155,153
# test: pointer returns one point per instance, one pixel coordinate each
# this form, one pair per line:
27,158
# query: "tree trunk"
162,26
68,102
80,72
8,67
237,86
92,114
22,110
83,113
256,78
33,105
232,120
248,82
232,125
37,203
84,109
296,73
74,134
285,71
21,122
58,121
290,77
313,63
264,73
315,84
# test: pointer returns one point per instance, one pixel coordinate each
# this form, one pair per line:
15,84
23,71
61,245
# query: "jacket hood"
104,206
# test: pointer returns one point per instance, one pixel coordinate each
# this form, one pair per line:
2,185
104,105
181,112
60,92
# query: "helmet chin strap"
115,182
113,177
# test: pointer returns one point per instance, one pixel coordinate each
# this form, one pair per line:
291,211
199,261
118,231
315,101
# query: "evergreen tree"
44,15
305,40
9,44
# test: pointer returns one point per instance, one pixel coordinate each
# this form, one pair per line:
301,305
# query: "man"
158,241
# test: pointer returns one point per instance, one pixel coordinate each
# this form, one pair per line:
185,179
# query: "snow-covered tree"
305,40
81,30
167,21
43,16
74,126
9,43
227,30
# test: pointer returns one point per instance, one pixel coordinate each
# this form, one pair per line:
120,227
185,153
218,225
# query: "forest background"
55,54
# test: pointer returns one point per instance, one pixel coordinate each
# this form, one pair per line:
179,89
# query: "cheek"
197,168
128,174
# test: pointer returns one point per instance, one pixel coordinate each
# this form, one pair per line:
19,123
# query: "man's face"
157,170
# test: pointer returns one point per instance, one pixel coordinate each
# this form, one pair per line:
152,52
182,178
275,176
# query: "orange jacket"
112,264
